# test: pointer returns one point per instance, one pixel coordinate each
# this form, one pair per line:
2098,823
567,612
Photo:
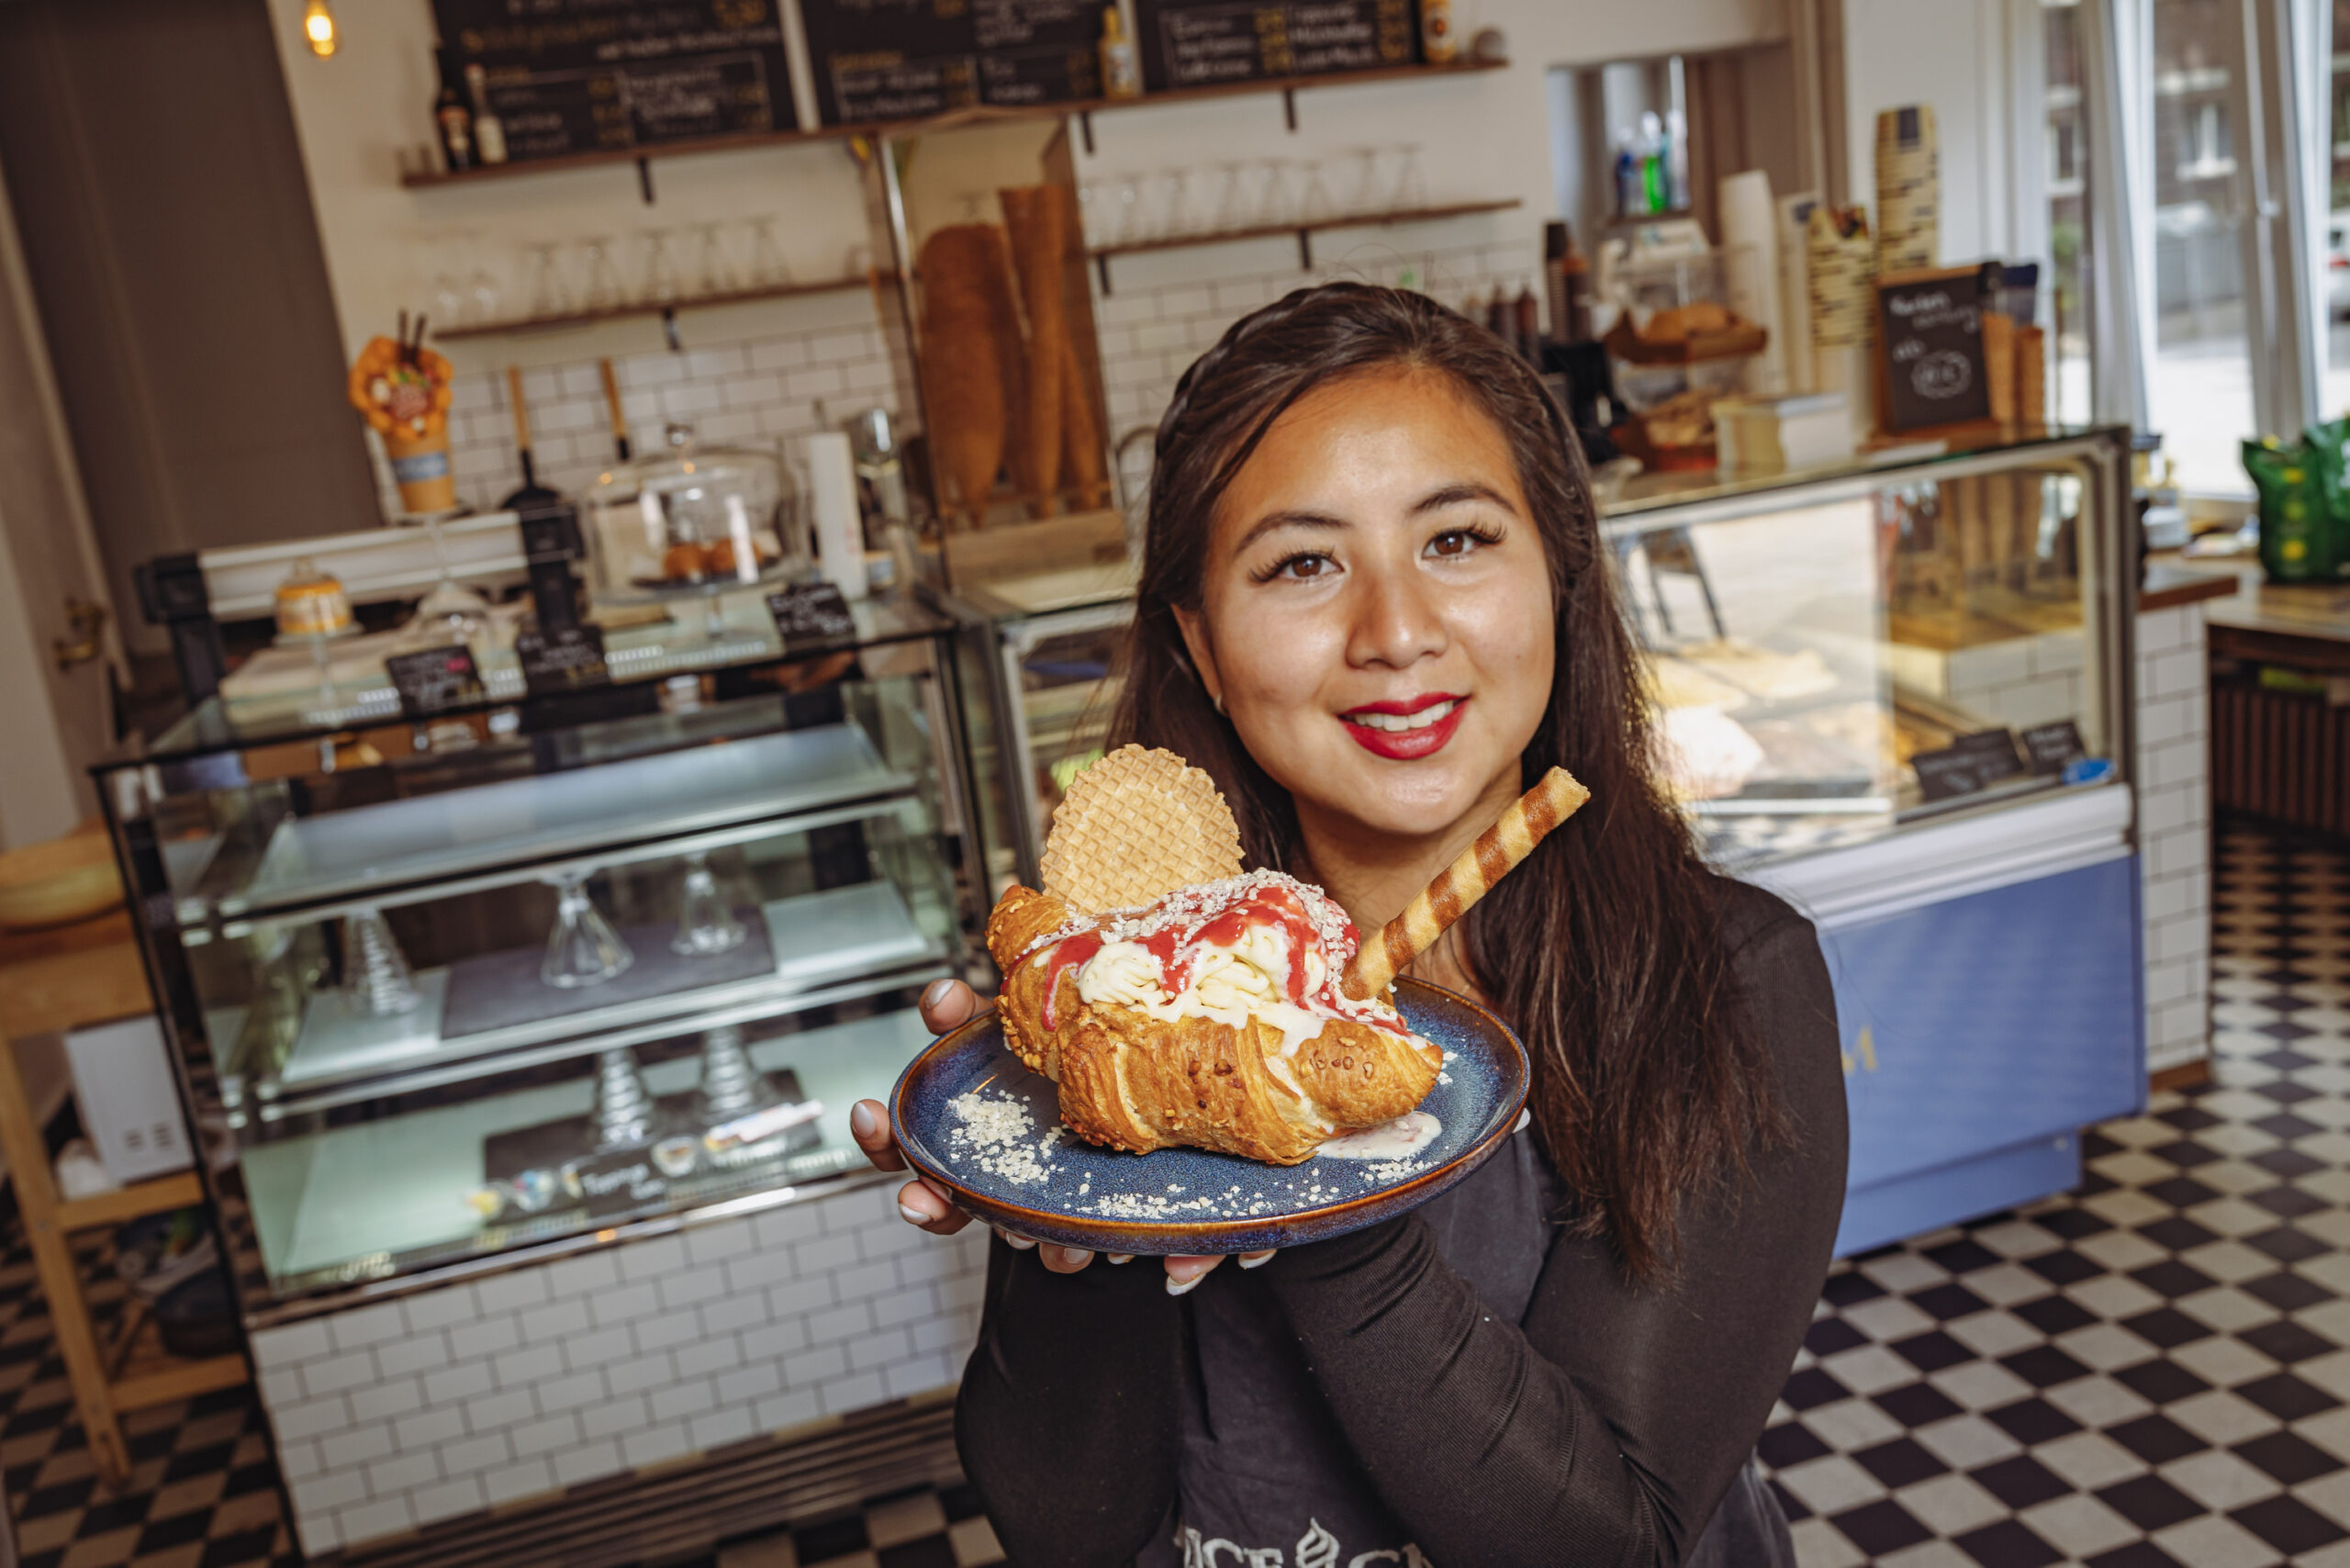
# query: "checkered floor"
2153,1370
203,1490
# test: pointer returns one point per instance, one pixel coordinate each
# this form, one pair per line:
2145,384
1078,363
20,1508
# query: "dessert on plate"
1177,1001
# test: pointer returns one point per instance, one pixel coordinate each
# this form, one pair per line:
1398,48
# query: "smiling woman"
1374,607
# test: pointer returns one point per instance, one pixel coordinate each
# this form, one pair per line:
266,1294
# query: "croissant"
1263,1087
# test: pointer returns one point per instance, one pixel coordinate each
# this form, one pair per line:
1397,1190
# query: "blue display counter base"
1928,1200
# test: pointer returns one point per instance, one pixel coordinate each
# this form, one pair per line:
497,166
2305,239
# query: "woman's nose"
1396,622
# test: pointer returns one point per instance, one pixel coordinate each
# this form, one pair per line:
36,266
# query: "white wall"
1482,136
1953,55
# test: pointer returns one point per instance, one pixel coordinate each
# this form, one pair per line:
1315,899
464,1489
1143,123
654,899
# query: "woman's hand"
948,1005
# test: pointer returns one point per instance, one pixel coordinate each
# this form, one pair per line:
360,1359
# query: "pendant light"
318,28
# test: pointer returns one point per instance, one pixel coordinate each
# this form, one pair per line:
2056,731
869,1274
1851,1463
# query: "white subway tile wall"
765,389
392,1417
2174,703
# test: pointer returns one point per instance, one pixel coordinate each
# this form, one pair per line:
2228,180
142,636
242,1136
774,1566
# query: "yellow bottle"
1121,71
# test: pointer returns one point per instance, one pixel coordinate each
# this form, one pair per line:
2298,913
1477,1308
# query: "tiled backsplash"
765,389
392,1417
2175,832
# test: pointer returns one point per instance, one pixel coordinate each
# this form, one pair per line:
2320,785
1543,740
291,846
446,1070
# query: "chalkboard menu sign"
1970,763
565,659
609,75
811,612
885,60
1203,43
1934,370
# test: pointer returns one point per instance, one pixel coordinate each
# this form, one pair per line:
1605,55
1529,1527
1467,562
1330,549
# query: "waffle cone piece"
1133,827
1499,851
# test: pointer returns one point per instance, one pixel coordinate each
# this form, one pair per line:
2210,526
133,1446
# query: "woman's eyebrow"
1465,490
1272,521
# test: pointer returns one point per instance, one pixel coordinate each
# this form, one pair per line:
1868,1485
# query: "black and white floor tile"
203,1490
2152,1371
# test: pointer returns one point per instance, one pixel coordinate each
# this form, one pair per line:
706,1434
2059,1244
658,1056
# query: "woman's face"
1376,609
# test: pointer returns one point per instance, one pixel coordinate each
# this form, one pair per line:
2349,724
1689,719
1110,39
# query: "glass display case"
1832,655
542,970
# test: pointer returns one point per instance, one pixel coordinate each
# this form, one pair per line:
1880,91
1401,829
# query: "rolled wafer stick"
1498,850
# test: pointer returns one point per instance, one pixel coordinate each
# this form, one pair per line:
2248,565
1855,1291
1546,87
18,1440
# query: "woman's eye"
1458,542
1303,565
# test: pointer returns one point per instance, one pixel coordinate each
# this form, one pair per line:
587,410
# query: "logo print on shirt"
1316,1549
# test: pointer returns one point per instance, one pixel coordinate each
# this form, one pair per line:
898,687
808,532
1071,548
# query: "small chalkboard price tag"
569,658
2052,747
435,680
811,612
615,1182
1970,763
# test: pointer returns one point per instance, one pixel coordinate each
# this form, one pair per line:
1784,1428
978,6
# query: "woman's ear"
1195,643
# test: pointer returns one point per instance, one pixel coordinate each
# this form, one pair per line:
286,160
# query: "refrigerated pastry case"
1897,691
465,993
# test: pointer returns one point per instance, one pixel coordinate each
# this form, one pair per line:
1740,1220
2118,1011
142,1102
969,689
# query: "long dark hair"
1605,950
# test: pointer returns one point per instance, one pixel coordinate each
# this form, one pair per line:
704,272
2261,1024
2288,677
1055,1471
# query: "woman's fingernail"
860,1120
913,1215
1180,1287
1522,1117
1074,1257
1017,1243
937,991
1120,1257
1252,1259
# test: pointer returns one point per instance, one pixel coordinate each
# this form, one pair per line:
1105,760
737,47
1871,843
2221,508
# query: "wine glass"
767,269
713,270
582,949
601,290
376,981
625,1115
706,923
660,270
1411,193
549,293
481,300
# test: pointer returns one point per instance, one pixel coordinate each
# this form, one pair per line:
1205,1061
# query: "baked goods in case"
311,603
1213,1018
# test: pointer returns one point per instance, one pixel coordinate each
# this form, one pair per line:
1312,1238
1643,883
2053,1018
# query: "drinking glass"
448,297
583,949
601,288
549,293
731,1085
625,1114
481,301
660,286
1127,218
1233,210
1313,204
1364,194
766,266
376,981
713,270
706,923
1411,192
1276,196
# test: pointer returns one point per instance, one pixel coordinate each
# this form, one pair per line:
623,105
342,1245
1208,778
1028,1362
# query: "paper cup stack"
1908,190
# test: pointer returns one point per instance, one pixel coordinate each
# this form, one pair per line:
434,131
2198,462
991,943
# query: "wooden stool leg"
60,1279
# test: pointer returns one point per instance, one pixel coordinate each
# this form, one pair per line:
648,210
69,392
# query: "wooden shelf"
1303,231
630,312
147,1374
418,179
160,1196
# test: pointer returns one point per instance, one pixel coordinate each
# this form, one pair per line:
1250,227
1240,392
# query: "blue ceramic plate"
1053,1187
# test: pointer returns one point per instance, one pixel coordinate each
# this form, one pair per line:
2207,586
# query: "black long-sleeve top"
1571,1418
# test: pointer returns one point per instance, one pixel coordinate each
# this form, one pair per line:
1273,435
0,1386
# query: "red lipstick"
1405,744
